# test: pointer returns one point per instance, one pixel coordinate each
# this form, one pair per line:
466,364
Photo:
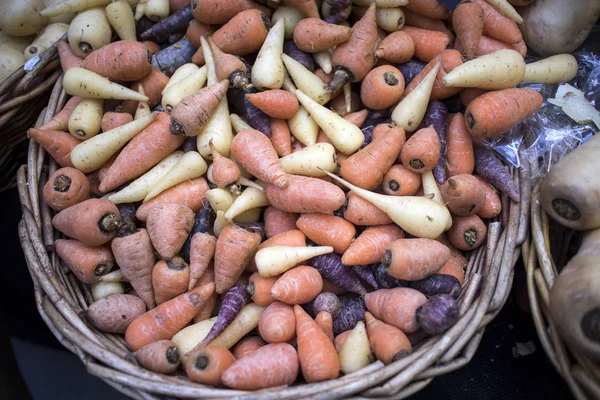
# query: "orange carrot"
321,74
142,152
338,104
325,322
450,59
224,170
414,259
497,26
306,7
259,288
298,285
467,233
68,58
153,83
247,345
429,8
488,45
190,115
492,205
170,278
467,20
340,339
292,237
58,144
369,247
464,194
497,112
362,212
327,230
88,263
218,12
417,20
312,35
169,225
279,104
382,87
422,151
281,138
228,67
277,323
167,319
271,365
152,47
455,266
202,249
318,358
112,120
125,60
330,287
92,222
208,309
387,342
207,364
175,5
460,155
277,221
190,193
396,307
467,95
305,195
66,187
243,34
397,47
60,122
428,43
235,247
400,181
161,356
195,30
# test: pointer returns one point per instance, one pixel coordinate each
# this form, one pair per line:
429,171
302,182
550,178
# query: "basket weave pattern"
61,299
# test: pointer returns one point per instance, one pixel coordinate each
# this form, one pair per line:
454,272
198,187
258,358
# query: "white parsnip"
410,111
18,43
89,31
190,166
84,122
187,338
247,182
290,16
140,10
246,320
219,199
390,19
356,350
267,72
555,69
114,276
507,9
12,60
22,17
184,88
50,34
157,10
312,160
105,289
249,199
68,6
309,83
220,223
272,261
248,216
323,58
430,187
304,127
143,108
120,17
238,123
89,85
288,84
180,73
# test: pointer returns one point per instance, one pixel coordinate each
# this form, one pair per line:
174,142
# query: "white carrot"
69,6
114,276
120,17
389,19
190,166
220,223
306,81
90,85
345,136
84,122
50,34
303,127
157,10
248,216
104,289
180,73
140,10
238,123
90,155
507,9
249,199
219,199
89,31
288,84
356,350
246,320
248,183
143,108
186,86
275,260
290,16
323,58
267,72
430,187
555,69
312,160
410,111
189,337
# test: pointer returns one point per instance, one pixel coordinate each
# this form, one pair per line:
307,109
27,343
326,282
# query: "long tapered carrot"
422,151
144,151
299,285
58,144
277,323
234,249
215,12
497,112
125,60
488,45
428,44
467,20
277,103
170,278
305,194
362,212
202,250
429,8
61,120
195,30
370,245
387,342
460,156
327,230
417,20
191,193
68,58
325,322
255,153
450,59
397,47
312,35
167,319
281,138
318,358
92,222
208,309
169,225
153,84
88,263
497,26
112,120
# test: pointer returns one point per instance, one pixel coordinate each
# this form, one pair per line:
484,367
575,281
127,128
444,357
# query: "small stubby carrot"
299,285
422,151
197,29
497,112
460,155
161,356
498,26
396,307
428,44
224,170
202,249
170,278
467,20
215,12
464,194
142,152
277,103
362,212
318,357
259,288
327,230
152,47
206,365
414,259
397,47
492,206
190,193
369,246
467,233
281,138
167,319
277,323
340,339
60,122
387,342
450,59
325,322
268,366
417,20
169,225
455,266
312,35
92,222
234,249
278,221
88,263
382,87
255,153
66,187
400,181
124,60
68,58
305,194
58,144
429,8
229,67
247,345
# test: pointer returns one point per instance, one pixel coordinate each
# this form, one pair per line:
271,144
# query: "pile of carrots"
299,211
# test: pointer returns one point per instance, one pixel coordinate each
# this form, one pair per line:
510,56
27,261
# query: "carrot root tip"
566,209
399,355
386,260
201,362
470,120
470,236
173,355
85,47
176,264
239,80
416,164
102,269
393,185
177,128
109,223
62,183
340,77
390,78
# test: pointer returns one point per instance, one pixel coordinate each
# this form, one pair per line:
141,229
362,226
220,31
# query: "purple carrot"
176,22
331,268
339,4
175,37
337,16
491,169
290,48
174,56
329,302
353,310
410,69
437,115
190,144
365,273
437,284
143,25
384,279
438,314
232,303
256,227
202,223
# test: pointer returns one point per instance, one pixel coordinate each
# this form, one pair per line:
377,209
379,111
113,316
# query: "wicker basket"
544,254
22,96
61,298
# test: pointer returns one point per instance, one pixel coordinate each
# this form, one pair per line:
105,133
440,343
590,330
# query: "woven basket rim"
61,298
